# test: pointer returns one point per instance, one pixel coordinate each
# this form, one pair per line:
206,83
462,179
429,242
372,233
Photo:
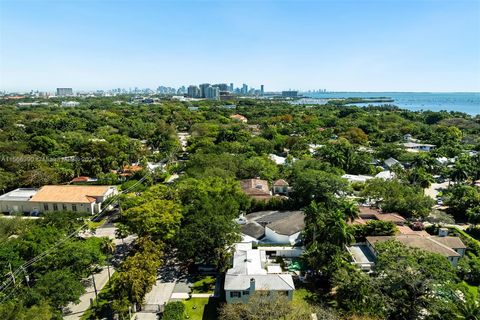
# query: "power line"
39,257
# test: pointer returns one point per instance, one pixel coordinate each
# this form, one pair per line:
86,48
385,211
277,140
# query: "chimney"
442,232
252,285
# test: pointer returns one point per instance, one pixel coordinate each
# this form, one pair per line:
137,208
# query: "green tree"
210,205
410,279
60,286
158,218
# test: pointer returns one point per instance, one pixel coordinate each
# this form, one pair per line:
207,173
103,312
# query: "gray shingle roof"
425,243
253,229
277,282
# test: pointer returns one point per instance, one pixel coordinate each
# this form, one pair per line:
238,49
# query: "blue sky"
351,45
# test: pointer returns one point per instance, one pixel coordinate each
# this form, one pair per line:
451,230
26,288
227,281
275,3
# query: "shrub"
174,311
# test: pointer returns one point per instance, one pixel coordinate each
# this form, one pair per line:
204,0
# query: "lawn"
95,224
473,289
204,284
201,308
301,298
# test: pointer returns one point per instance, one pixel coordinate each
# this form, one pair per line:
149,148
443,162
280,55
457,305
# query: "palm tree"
350,210
108,247
328,225
459,173
336,230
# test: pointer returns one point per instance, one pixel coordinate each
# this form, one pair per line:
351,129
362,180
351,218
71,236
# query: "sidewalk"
182,295
77,310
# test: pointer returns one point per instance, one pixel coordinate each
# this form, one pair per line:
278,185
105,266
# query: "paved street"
101,278
77,310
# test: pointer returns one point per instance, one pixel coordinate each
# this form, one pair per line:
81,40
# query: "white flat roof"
20,194
274,269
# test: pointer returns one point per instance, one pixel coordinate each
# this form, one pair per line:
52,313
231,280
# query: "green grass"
204,284
473,289
201,308
301,297
95,225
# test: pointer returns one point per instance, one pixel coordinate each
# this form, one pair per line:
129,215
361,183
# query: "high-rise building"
212,93
62,92
231,87
290,94
194,92
221,86
262,90
244,89
203,90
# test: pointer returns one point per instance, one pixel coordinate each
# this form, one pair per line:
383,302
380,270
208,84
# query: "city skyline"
427,46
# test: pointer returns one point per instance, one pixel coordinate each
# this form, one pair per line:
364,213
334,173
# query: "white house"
70,103
251,272
356,178
275,227
415,147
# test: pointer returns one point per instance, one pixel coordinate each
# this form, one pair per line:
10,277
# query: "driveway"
167,282
435,188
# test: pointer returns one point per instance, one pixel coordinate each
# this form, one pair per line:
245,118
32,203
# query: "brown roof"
376,214
80,179
404,230
255,187
69,193
238,117
280,182
367,211
132,168
451,242
425,243
390,217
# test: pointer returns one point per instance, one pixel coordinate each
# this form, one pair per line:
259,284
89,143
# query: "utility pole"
11,273
27,277
108,269
94,285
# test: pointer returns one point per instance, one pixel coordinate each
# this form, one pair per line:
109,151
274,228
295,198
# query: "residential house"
70,103
256,189
416,147
276,227
391,162
83,179
280,187
356,178
369,213
277,159
450,247
251,272
130,170
385,175
239,117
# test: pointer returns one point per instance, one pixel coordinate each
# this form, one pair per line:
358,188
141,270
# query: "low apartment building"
76,198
